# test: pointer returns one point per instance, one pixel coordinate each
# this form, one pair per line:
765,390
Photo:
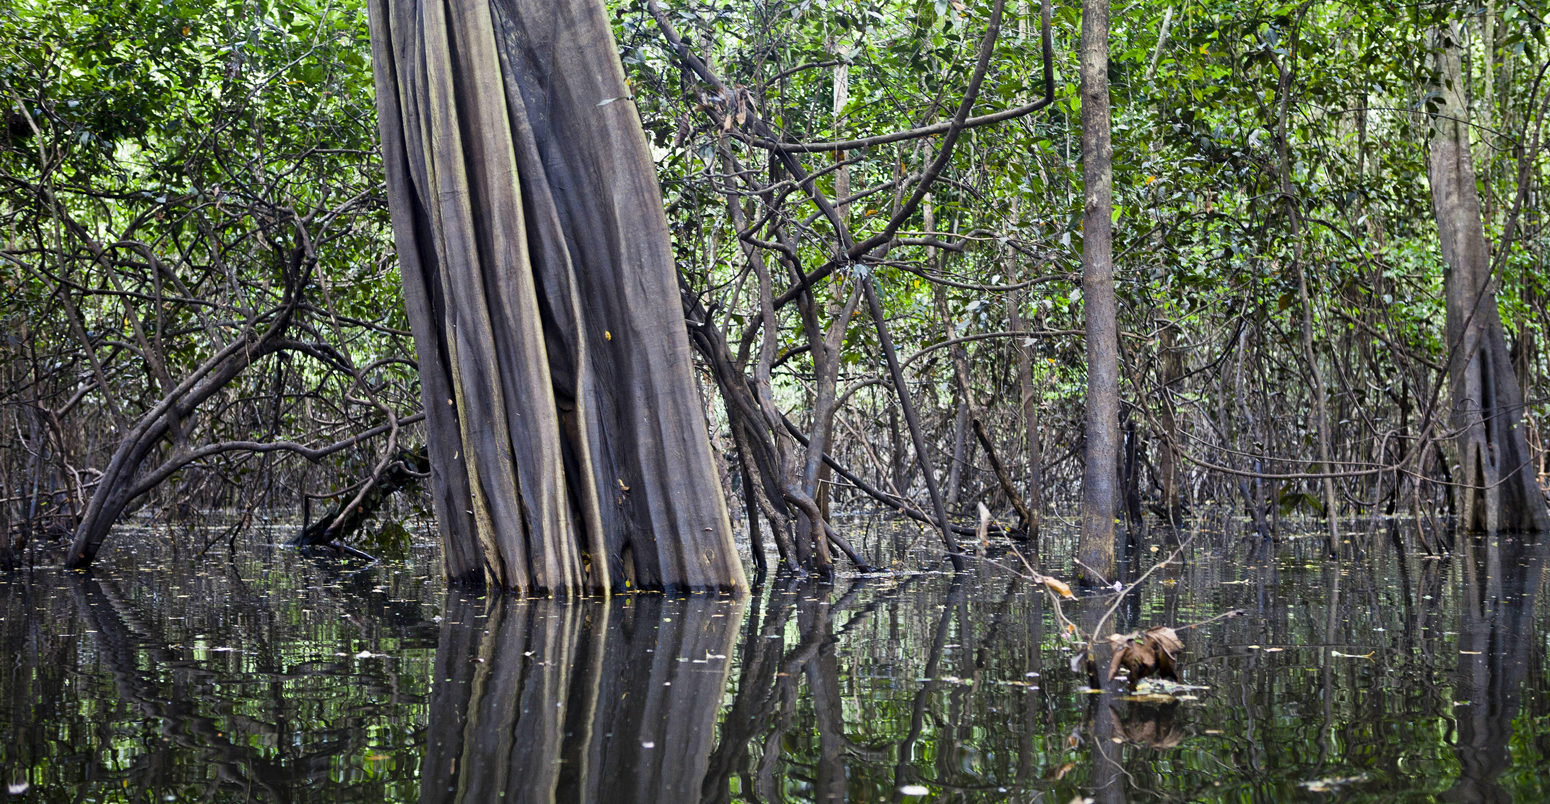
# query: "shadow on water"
275,678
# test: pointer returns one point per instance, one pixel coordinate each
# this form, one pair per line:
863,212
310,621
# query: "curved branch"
314,454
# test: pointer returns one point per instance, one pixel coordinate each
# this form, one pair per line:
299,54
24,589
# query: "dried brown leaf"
1145,653
1166,639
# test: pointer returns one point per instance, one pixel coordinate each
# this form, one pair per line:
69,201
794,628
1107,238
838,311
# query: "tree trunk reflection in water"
771,751
858,690
766,696
758,729
538,700
1502,577
1104,735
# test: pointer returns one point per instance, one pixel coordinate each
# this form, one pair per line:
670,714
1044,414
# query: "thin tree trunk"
1162,42
912,420
1170,369
821,489
959,456
1099,487
1029,404
1287,71
964,408
1024,514
1027,398
901,455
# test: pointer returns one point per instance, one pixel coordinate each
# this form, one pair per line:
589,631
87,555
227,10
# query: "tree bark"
1029,403
964,407
567,440
1170,369
1099,487
1496,479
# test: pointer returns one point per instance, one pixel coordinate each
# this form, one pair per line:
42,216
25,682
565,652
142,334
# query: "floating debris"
1146,653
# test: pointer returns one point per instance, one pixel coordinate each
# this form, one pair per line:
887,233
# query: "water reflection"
869,690
538,700
206,688
1496,641
275,678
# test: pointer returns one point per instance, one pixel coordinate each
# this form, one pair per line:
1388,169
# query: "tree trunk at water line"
568,448
1496,482
1100,474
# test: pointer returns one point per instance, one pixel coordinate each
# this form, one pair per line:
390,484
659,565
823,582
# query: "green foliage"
189,131
171,175
1213,104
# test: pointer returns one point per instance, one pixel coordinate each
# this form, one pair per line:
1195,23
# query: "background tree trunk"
1286,69
567,438
1028,405
1496,478
1099,477
1170,368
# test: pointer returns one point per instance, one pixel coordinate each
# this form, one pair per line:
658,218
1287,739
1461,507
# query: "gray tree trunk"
1496,470
1099,477
568,448
1170,369
1029,405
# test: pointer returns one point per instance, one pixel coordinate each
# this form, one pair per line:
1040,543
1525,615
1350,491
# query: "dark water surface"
262,675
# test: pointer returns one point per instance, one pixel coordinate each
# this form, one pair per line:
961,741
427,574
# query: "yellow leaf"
1058,587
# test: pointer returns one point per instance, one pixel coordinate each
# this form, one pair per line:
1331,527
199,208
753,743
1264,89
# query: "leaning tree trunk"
568,447
126,479
1496,470
1099,476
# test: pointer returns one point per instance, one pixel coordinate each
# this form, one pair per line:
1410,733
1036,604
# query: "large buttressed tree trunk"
568,448
1496,482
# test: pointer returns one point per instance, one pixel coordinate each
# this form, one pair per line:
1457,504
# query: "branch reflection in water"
284,679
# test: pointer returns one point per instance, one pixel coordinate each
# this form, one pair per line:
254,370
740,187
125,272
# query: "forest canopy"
876,215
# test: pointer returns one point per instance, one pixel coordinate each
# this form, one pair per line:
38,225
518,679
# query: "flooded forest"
780,400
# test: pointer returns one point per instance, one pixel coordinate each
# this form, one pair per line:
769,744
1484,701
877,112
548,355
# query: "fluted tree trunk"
1496,480
568,449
